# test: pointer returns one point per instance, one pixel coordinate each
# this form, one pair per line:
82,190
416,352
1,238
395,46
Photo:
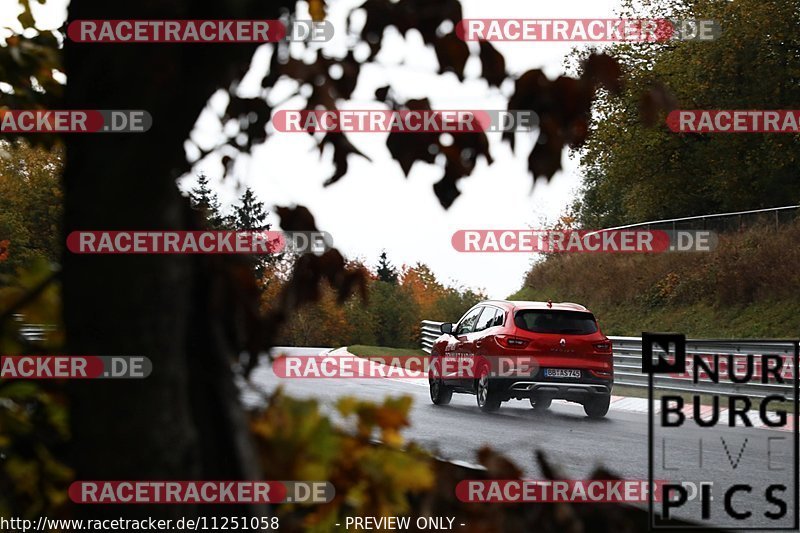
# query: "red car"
539,351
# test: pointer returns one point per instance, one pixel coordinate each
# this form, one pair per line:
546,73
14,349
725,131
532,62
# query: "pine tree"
386,271
205,199
250,214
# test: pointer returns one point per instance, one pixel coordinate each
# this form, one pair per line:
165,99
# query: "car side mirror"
447,328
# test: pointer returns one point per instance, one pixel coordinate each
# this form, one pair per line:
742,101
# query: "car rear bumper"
575,391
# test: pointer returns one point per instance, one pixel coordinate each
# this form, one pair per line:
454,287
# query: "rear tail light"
603,346
511,342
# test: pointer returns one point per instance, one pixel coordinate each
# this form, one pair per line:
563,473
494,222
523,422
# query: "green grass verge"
761,320
766,319
363,350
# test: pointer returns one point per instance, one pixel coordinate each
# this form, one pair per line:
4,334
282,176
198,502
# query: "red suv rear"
539,351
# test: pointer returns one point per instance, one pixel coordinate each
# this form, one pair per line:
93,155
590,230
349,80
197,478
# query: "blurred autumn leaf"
316,8
34,429
296,441
562,105
342,148
28,63
493,64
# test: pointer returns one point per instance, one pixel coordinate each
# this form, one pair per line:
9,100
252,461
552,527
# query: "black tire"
597,407
488,399
441,394
542,404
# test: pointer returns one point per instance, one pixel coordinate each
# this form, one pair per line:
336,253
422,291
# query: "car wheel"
597,407
441,394
488,400
542,404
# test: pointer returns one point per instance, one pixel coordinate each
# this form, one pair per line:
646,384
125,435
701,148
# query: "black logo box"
678,365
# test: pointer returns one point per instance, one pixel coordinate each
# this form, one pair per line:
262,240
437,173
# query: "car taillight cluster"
603,346
512,342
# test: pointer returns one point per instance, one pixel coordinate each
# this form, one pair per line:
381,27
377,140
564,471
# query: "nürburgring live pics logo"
727,448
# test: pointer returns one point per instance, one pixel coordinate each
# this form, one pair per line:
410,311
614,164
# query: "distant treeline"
398,299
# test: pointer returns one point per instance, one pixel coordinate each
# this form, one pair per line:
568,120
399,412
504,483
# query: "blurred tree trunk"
184,421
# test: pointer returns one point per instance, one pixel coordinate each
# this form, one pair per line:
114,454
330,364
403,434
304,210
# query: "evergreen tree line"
248,214
398,298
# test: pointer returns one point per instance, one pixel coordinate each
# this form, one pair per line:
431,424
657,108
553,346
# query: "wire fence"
723,222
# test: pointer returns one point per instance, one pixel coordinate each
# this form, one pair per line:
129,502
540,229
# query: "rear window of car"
563,322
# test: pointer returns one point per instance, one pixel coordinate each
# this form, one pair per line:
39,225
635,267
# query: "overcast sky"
374,207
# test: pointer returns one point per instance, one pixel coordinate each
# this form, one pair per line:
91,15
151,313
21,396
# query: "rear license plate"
561,373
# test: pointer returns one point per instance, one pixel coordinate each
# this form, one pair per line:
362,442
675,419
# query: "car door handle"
477,344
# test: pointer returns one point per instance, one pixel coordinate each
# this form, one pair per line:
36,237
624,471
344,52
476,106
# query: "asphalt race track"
571,440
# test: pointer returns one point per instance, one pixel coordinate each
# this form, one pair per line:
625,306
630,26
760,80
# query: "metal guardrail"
628,366
33,333
628,363
429,332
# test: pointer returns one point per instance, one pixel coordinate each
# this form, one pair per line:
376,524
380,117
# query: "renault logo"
563,342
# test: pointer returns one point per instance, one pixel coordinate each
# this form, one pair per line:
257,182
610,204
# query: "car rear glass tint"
563,322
